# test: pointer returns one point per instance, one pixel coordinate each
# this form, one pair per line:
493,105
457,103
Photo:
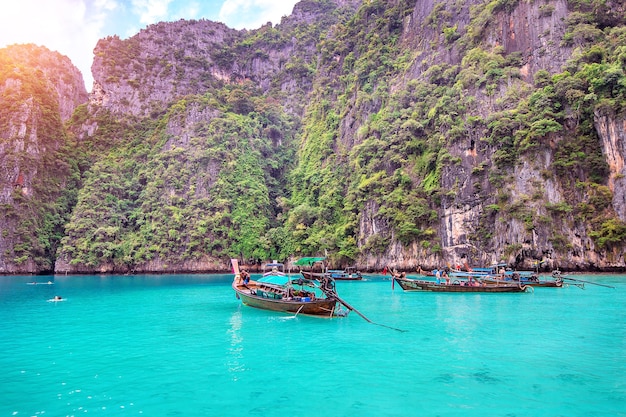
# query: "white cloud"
252,14
65,26
188,10
151,11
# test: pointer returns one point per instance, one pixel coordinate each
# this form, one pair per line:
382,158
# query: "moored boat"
337,275
501,274
315,275
275,269
456,285
286,297
525,278
348,274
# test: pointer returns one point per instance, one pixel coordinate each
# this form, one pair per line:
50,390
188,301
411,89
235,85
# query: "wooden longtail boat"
314,275
332,275
284,298
408,284
499,274
530,280
348,274
274,269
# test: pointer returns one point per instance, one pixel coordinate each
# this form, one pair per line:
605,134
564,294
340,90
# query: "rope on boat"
301,307
557,275
349,307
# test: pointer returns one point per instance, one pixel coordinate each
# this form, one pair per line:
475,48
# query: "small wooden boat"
315,275
286,298
456,285
348,274
337,275
500,274
528,278
274,268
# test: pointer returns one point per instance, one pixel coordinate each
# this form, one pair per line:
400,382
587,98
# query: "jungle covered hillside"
398,133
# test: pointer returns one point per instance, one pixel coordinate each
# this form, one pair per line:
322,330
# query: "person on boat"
397,274
245,277
327,284
445,276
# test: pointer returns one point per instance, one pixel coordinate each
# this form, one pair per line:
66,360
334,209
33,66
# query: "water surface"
183,345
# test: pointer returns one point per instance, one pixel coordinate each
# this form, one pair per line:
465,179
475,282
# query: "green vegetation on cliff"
202,180
37,163
371,128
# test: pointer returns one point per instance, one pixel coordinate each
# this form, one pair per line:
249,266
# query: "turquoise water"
182,345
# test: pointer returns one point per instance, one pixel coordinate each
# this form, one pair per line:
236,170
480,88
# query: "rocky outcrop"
612,131
473,224
60,74
156,266
166,61
39,90
533,30
163,62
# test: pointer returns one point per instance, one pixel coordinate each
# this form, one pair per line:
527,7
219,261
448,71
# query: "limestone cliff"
399,133
518,194
39,90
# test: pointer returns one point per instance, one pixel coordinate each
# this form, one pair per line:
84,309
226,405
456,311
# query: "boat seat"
272,290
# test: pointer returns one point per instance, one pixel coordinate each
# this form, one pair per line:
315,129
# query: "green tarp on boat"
308,261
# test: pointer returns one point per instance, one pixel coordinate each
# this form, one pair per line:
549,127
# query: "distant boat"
348,274
456,285
274,268
299,296
529,278
335,274
499,273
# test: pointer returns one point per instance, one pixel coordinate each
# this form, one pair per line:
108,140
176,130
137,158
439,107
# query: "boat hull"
430,286
528,283
274,297
319,307
336,277
314,275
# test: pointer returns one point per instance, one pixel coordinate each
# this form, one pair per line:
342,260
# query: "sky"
73,27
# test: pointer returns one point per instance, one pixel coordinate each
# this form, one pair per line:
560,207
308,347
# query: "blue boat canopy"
308,261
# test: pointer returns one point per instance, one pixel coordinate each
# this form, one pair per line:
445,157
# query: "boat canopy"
308,261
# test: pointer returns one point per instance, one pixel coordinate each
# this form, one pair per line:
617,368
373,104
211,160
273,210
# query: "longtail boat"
500,274
337,275
274,269
528,278
314,275
287,297
348,274
456,285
